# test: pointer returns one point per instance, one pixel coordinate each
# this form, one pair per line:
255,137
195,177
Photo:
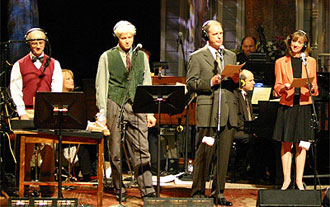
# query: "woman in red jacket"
293,123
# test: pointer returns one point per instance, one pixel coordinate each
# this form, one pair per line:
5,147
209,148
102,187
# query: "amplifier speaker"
287,198
178,202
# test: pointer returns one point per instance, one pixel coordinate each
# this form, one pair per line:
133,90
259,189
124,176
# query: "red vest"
34,79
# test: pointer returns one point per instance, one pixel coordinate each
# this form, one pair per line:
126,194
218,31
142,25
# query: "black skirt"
293,124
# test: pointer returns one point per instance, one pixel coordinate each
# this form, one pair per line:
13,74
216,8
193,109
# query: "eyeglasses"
35,43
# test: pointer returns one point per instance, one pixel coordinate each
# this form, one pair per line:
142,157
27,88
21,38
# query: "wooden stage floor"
240,193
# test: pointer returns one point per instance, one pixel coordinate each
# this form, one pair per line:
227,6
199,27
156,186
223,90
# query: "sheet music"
182,84
231,70
261,94
300,82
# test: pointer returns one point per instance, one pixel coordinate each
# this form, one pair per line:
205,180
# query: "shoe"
89,178
150,195
198,194
301,188
222,202
123,197
35,193
285,187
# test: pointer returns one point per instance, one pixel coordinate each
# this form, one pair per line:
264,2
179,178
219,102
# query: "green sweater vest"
120,79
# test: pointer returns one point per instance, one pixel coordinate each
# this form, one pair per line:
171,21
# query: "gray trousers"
205,157
137,143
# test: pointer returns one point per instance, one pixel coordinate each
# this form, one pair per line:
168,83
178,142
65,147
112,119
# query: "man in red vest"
36,72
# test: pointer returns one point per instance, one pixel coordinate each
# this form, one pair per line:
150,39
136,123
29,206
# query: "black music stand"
169,99
55,110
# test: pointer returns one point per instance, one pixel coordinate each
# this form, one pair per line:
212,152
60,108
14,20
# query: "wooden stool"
69,137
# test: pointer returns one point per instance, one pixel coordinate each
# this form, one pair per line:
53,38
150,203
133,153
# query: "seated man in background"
245,142
87,154
249,44
36,72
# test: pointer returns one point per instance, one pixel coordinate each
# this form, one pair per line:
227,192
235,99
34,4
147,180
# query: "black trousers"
87,155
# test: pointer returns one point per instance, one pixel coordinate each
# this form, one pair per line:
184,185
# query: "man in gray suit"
203,78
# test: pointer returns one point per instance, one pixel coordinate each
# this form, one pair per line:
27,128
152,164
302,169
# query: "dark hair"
254,39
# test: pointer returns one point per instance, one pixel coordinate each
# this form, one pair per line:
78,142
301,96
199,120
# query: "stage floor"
240,193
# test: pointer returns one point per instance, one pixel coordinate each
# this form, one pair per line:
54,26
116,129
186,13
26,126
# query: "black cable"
47,60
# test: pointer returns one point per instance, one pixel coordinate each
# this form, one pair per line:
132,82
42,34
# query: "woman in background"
68,80
86,153
293,123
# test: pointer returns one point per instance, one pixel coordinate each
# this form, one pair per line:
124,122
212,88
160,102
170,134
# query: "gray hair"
124,26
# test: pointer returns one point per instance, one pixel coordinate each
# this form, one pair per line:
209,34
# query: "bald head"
249,45
37,45
215,33
36,34
248,77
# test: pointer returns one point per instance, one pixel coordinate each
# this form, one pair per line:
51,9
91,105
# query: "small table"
68,137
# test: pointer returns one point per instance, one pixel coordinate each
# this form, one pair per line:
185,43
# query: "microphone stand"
187,115
314,122
217,191
217,137
183,55
123,129
4,53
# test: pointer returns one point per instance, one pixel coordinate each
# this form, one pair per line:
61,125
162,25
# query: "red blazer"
284,74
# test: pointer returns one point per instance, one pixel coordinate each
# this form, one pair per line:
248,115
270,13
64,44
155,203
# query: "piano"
263,125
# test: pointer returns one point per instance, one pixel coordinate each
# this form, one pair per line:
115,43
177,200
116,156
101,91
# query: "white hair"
124,26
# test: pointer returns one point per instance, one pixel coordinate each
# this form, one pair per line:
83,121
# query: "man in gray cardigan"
120,71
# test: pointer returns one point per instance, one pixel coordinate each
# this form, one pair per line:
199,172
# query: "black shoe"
123,197
198,194
35,193
223,202
150,195
89,178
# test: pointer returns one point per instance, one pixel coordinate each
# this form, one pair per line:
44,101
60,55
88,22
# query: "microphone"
137,48
221,50
178,41
77,88
303,58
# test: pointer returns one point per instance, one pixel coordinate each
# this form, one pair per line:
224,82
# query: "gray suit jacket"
201,68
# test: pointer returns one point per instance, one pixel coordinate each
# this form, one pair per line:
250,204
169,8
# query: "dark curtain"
22,16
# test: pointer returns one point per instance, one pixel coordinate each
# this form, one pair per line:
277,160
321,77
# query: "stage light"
33,202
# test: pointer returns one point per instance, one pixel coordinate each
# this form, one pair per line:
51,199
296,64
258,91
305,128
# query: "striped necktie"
128,62
218,60
248,107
